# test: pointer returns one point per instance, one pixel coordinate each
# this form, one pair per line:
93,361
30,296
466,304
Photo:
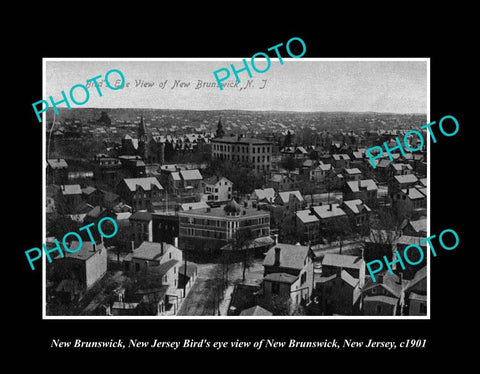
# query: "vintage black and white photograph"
288,194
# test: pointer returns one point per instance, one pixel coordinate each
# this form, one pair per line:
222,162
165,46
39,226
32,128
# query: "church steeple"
219,133
142,132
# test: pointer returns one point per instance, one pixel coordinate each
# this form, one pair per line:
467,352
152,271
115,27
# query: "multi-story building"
255,153
212,228
140,193
216,189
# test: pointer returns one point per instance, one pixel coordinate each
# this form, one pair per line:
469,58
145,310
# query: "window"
303,279
275,288
253,150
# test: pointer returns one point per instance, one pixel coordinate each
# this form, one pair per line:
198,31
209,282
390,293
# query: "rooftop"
85,252
220,212
343,261
236,139
145,183
306,216
150,251
291,256
407,178
367,184
329,211
280,278
57,163
71,189
356,206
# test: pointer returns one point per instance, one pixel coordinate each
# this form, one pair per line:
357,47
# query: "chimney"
161,247
175,242
94,247
275,239
277,256
330,207
133,245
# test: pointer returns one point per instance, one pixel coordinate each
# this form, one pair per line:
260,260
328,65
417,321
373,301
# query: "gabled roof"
351,281
353,171
338,157
367,184
88,190
280,278
146,183
419,276
85,252
343,261
306,216
407,178
71,189
383,163
391,282
419,225
285,196
266,193
256,310
413,193
291,256
150,251
190,174
57,163
356,206
400,167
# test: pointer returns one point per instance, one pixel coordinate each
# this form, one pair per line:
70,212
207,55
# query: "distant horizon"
240,110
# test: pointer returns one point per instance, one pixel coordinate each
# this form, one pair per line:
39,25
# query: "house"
86,266
332,220
352,174
57,171
140,193
70,198
410,202
400,182
416,294
160,260
413,254
141,224
320,173
341,161
358,213
288,274
262,196
185,182
395,168
365,190
307,226
338,294
217,189
333,263
282,181
106,169
285,204
415,227
384,297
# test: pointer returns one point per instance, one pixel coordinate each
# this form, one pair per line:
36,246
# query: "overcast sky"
297,85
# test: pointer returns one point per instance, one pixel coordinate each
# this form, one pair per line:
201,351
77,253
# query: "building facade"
212,228
254,153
